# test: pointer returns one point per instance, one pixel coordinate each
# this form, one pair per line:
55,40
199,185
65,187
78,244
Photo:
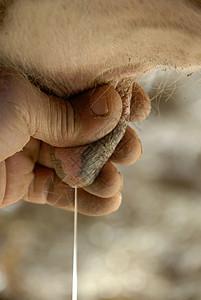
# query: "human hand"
32,122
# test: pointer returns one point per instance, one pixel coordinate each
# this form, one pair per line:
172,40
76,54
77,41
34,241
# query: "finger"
140,104
14,133
108,183
129,150
25,111
91,205
16,173
48,188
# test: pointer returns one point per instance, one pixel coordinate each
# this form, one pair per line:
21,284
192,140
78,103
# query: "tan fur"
68,46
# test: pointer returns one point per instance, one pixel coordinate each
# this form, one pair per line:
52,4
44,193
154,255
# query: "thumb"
81,120
26,111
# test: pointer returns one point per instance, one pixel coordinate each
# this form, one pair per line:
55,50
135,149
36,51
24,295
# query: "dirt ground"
151,248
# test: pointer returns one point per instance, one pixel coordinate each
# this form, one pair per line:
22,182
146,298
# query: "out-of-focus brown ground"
151,248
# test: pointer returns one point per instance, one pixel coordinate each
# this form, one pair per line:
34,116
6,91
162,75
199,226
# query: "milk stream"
74,281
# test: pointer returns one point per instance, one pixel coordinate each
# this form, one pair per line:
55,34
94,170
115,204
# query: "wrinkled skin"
35,125
65,48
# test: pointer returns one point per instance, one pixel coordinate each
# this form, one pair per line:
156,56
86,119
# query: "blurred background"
150,249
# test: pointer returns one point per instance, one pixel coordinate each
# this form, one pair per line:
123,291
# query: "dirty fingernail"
98,103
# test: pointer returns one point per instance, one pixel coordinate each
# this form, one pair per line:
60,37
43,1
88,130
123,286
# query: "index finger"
140,104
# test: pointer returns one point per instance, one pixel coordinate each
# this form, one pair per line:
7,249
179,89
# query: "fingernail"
121,182
120,195
98,103
141,150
